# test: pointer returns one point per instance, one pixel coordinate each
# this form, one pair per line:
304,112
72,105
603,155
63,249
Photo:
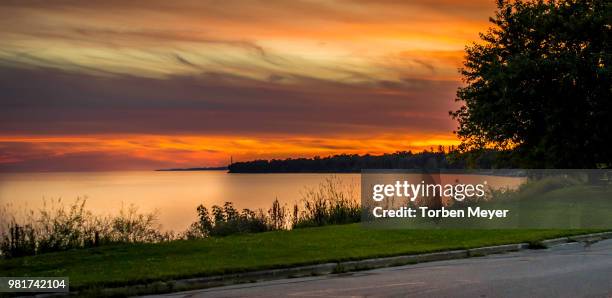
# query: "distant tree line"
354,163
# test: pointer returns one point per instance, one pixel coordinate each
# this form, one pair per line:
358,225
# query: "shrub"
227,220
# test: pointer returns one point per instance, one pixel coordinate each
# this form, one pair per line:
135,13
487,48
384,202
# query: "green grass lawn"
131,264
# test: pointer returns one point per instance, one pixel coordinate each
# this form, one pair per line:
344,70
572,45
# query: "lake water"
175,195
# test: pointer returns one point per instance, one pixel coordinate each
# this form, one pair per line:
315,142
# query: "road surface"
569,270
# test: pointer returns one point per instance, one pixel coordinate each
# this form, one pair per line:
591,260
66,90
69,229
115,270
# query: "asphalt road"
569,270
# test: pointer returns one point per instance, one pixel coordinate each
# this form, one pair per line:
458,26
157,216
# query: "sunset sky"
114,85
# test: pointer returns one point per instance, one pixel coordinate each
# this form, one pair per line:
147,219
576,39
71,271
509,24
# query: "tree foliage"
344,163
540,81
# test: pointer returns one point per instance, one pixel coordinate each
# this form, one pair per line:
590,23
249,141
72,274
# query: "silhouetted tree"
541,82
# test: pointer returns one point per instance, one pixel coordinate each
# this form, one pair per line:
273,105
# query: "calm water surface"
174,194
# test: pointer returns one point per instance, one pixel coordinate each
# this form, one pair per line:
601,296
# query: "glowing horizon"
146,152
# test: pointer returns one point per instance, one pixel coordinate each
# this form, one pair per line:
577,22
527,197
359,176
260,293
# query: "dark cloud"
49,101
184,61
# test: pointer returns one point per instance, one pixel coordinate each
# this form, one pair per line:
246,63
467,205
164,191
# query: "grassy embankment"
126,264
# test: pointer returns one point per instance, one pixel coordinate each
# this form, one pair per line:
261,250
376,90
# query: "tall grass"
58,226
332,202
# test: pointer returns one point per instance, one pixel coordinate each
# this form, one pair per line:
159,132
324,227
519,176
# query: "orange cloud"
153,151
254,39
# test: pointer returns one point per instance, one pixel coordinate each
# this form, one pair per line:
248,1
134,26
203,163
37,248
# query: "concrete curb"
555,241
577,238
337,267
590,237
489,250
399,260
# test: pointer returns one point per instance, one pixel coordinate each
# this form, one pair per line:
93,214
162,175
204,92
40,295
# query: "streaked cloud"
254,39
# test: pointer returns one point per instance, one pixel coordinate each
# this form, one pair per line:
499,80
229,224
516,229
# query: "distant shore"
193,169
